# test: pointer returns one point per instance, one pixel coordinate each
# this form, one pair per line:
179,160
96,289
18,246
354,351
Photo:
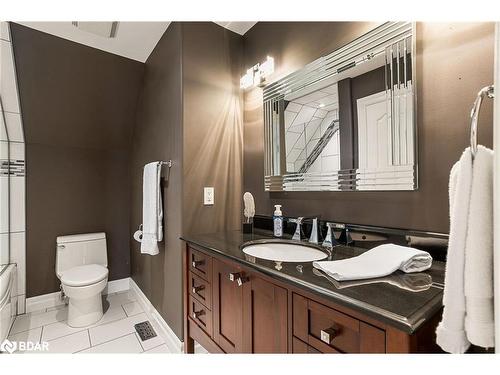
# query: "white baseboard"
45,301
117,286
174,344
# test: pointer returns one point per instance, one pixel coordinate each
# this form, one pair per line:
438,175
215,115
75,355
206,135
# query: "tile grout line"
130,333
140,341
106,342
116,338
154,347
66,335
83,328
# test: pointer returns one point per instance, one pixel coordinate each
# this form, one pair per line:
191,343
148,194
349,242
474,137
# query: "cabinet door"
227,300
265,316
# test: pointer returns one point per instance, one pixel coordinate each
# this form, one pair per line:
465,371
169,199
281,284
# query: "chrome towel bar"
167,163
474,114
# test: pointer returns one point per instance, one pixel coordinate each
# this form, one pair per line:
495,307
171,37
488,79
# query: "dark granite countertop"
404,301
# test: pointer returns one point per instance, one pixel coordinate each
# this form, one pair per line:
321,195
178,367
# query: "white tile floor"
114,333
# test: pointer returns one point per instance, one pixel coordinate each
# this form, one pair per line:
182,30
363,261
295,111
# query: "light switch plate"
208,196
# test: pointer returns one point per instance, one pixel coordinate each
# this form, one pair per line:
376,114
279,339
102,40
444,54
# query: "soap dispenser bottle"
278,221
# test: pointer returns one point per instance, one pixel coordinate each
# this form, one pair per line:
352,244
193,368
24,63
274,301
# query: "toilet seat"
84,275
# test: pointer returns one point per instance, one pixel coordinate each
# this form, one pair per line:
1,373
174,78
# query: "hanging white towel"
468,291
152,209
478,276
377,262
450,333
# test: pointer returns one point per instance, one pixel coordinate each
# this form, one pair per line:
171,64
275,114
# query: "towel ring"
474,114
167,163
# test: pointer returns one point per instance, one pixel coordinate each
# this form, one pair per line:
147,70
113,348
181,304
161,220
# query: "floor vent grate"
145,330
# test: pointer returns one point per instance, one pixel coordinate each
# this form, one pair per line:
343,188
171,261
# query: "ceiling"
236,26
135,40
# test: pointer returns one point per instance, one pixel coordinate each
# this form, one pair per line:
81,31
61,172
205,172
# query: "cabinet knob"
197,314
196,289
197,263
328,335
233,276
241,280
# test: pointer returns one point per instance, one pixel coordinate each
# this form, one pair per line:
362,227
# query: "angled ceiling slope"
135,40
240,27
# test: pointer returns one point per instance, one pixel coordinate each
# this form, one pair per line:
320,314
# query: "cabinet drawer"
200,264
324,328
200,289
201,315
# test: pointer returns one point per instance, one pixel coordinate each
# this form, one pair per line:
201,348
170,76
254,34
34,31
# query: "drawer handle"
241,280
197,263
197,314
233,276
328,335
196,289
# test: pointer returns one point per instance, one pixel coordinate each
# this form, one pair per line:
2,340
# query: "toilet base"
85,304
84,312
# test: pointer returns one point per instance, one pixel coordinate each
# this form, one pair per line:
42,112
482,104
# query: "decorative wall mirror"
346,121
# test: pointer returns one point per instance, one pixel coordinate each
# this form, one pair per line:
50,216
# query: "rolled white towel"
377,262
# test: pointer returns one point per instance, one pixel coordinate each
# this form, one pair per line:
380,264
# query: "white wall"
496,197
12,177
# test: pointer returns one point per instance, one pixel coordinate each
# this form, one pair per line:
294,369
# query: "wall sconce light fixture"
257,74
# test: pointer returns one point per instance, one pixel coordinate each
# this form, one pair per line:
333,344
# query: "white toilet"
81,265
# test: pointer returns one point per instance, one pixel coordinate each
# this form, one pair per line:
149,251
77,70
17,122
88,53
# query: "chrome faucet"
299,234
298,230
329,239
313,238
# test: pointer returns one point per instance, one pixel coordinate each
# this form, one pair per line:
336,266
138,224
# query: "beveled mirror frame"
376,42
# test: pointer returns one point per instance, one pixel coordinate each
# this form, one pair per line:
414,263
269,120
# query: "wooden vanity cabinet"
228,307
250,313
232,309
265,316
331,331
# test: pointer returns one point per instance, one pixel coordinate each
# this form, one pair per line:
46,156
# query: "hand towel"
468,290
152,209
450,333
377,262
478,275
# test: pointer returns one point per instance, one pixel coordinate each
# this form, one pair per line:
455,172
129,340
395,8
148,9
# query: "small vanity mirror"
347,120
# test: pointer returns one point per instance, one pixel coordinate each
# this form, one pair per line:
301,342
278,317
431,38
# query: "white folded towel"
152,209
377,262
468,290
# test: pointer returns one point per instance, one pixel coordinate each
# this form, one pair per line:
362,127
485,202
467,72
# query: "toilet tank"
79,250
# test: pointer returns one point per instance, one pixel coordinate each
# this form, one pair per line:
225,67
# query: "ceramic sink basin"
284,252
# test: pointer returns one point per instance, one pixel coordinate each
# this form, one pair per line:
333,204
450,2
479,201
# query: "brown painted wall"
190,112
453,62
213,126
78,106
158,136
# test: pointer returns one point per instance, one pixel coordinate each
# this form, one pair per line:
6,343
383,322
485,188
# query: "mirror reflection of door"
363,121
346,120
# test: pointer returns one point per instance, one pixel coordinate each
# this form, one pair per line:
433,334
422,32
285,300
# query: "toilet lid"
84,275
